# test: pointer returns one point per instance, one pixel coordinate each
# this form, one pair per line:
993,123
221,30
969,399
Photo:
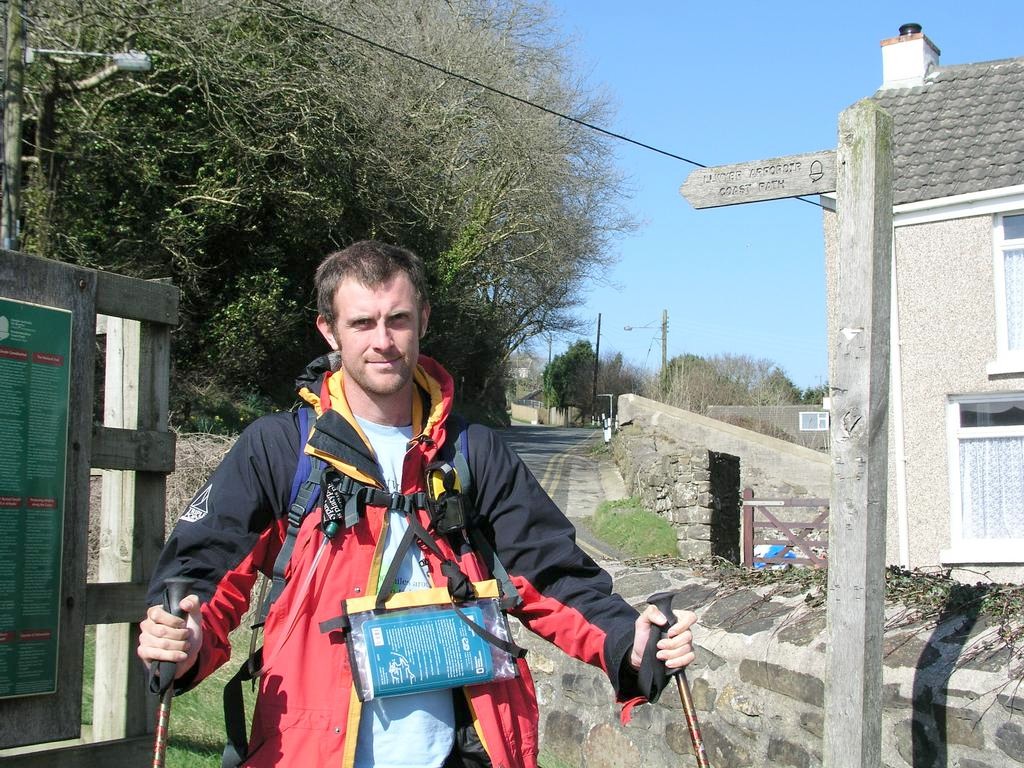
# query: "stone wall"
951,695
696,490
770,466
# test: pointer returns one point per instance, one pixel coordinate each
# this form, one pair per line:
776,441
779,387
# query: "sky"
731,82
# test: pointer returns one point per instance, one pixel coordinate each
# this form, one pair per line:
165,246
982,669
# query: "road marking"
594,552
553,473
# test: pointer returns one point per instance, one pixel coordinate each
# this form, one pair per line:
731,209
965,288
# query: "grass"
545,760
197,718
629,527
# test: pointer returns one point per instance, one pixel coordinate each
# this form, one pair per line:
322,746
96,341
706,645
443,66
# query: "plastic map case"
423,648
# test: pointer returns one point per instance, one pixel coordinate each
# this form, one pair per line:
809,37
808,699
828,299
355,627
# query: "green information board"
35,364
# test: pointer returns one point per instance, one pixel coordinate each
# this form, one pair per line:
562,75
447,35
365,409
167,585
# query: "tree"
267,135
617,377
814,395
569,379
695,383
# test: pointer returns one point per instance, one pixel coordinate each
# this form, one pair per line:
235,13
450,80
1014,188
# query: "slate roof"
960,132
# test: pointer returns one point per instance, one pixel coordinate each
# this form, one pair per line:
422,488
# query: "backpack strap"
309,474
236,749
510,598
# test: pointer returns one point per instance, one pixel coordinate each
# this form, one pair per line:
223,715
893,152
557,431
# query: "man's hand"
675,649
166,637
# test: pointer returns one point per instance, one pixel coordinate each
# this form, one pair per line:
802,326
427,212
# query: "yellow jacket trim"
355,709
433,390
420,597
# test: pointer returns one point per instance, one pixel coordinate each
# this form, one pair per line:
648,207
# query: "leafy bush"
216,410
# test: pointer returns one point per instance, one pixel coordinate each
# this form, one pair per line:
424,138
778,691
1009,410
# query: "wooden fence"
804,542
134,444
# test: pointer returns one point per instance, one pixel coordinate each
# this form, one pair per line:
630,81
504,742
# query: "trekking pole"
663,602
162,672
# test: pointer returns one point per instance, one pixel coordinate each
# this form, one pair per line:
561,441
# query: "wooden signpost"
860,172
772,179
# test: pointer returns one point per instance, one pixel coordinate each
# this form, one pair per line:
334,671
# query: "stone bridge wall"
951,697
689,469
770,466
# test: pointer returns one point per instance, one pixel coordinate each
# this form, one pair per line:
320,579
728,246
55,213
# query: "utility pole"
15,73
597,359
664,341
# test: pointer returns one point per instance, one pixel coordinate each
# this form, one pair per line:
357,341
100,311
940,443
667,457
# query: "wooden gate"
133,442
798,543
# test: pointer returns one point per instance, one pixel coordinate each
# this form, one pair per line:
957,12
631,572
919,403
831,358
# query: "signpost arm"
859,384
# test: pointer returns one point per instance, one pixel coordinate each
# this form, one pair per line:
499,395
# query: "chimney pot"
907,59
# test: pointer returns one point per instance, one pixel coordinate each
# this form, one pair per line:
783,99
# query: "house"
956,418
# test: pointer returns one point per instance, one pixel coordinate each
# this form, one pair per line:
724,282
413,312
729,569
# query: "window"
1009,288
814,421
986,459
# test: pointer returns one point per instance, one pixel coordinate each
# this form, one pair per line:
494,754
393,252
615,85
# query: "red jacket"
307,707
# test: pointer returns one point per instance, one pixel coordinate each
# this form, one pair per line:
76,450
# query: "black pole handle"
663,602
653,675
661,674
162,672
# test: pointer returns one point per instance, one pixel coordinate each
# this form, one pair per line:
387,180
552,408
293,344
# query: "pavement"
593,479
576,472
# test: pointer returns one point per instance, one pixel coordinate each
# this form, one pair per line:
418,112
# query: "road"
564,461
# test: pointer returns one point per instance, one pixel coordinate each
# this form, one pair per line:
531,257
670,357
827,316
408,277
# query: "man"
383,415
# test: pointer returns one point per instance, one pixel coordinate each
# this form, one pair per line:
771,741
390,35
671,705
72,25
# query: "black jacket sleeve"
224,520
567,597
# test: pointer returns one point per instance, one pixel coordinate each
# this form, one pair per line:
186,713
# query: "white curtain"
992,487
1013,271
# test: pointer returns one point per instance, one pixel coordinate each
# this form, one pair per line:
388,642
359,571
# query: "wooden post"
859,383
113,641
150,504
747,526
597,362
664,342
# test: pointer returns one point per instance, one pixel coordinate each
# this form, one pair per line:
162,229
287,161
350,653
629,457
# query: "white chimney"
907,59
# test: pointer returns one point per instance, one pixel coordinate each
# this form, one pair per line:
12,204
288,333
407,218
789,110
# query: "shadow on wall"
934,716
724,471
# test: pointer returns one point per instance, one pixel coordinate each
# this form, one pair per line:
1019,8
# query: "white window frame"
963,550
822,423
1006,361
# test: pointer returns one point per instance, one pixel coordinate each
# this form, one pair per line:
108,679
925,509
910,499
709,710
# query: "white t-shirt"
417,730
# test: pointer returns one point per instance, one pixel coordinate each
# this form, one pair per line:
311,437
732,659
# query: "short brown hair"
371,263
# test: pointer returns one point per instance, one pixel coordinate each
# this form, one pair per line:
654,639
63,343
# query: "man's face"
377,331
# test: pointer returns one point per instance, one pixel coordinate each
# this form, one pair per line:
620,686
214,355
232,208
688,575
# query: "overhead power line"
491,88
